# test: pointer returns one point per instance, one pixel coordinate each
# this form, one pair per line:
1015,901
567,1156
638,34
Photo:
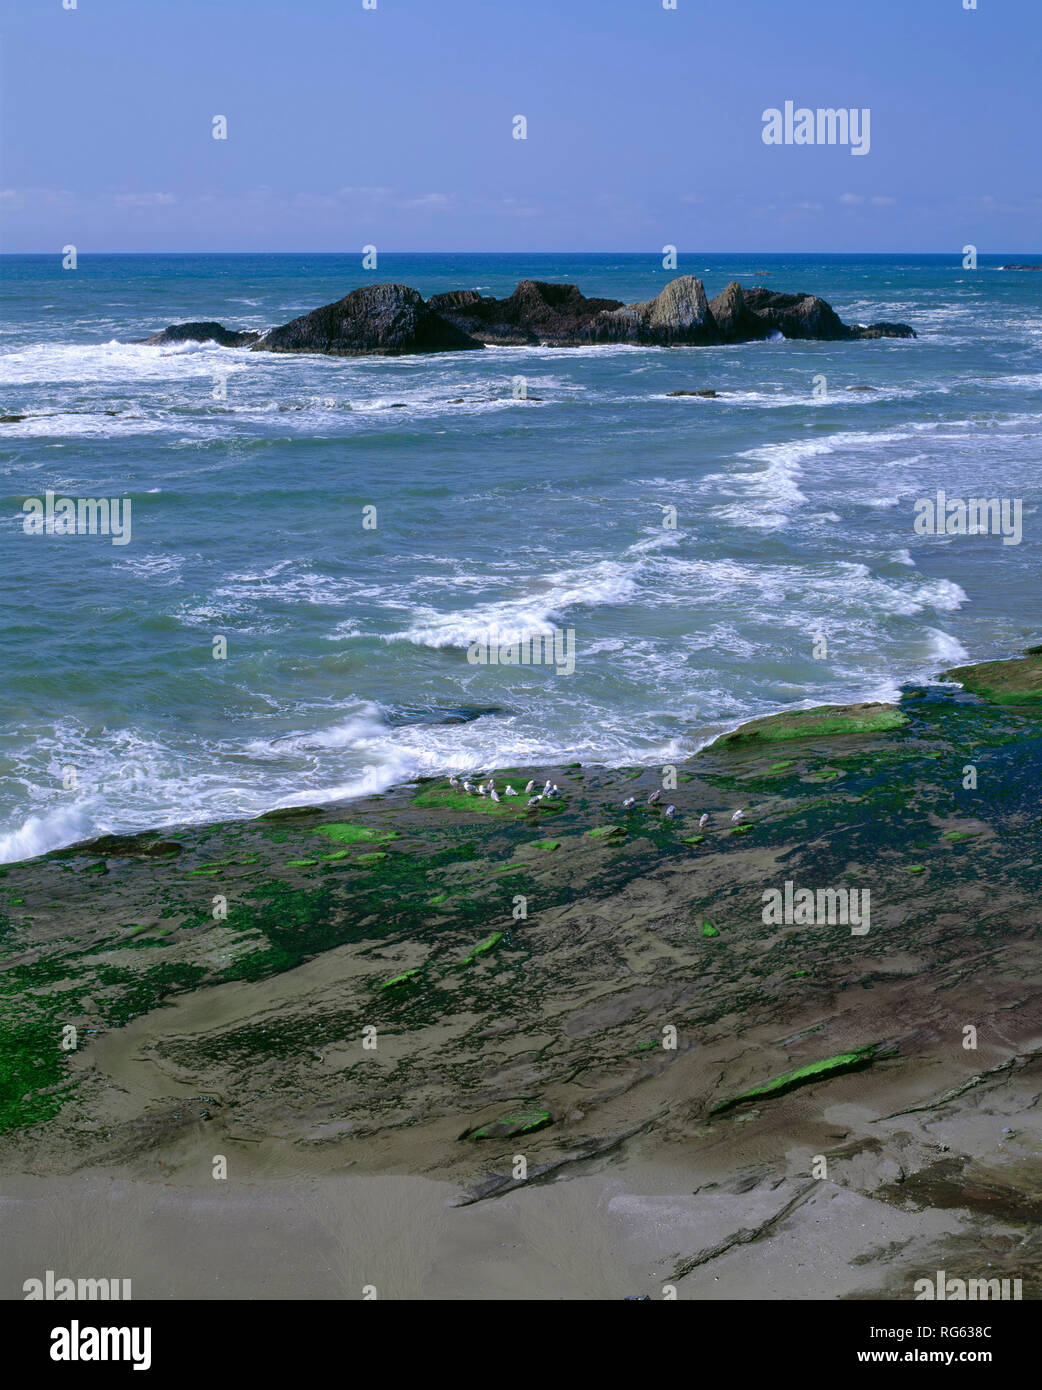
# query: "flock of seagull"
551,790
489,789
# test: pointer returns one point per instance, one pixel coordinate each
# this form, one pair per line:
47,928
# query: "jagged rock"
707,392
377,320
747,315
795,315
680,314
209,332
537,312
734,322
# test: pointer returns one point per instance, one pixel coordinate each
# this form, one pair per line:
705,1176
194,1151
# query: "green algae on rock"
344,833
449,799
526,1122
482,948
872,718
1014,682
801,1076
399,981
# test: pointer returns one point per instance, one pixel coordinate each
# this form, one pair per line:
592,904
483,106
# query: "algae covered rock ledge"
581,982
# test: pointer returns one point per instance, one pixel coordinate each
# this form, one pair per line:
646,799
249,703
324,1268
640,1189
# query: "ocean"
346,668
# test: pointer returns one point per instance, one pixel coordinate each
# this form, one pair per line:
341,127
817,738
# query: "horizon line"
654,255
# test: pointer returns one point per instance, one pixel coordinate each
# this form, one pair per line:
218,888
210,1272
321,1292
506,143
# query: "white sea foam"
944,647
535,613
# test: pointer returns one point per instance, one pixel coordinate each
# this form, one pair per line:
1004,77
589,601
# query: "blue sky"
394,126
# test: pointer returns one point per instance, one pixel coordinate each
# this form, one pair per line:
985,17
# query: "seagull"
482,789
738,816
510,791
468,787
630,801
671,811
654,797
530,788
453,781
494,794
703,820
535,800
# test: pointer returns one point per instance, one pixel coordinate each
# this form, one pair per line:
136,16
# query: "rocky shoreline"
590,986
393,320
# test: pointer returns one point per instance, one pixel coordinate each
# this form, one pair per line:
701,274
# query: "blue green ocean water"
346,666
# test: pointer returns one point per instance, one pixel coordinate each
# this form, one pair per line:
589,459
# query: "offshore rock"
378,320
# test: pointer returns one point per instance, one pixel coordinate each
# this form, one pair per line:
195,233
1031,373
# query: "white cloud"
144,200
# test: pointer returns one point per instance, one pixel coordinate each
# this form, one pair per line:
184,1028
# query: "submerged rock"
208,332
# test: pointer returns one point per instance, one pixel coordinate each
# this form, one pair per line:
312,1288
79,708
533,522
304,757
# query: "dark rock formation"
388,320
679,315
880,330
734,322
537,312
707,392
1020,267
378,320
743,316
202,333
